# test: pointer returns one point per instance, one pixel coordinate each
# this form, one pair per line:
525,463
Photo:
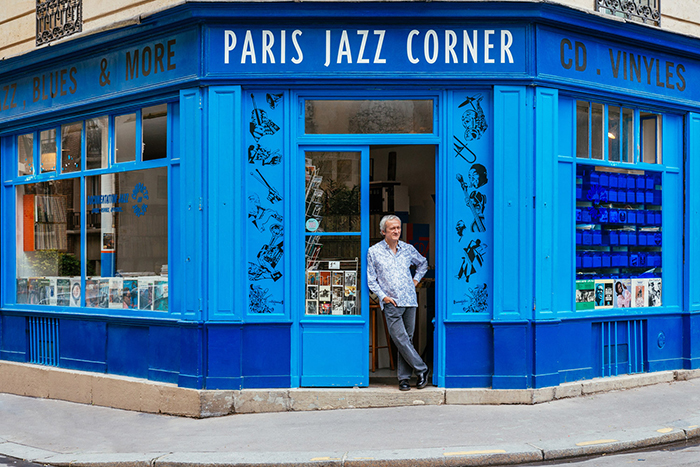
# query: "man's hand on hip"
389,300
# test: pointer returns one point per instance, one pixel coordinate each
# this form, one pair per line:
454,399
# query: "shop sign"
365,50
585,59
144,65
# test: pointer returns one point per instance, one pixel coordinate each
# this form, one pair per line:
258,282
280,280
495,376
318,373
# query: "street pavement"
63,433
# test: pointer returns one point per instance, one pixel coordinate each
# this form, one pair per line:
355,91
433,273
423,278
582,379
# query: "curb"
505,454
140,395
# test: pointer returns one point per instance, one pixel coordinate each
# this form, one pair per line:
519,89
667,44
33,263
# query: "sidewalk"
63,433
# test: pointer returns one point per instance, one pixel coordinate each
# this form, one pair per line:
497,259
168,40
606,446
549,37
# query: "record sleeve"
349,307
130,294
312,307
312,277
639,288
92,293
603,294
351,278
337,307
324,308
654,292
312,292
585,295
623,293
62,292
325,278
115,292
160,295
324,293
104,293
146,293
338,277
75,292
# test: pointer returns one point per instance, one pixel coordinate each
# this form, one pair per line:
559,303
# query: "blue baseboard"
509,382
476,381
224,383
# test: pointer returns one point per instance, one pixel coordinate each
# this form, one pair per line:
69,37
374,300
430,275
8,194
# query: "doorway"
347,191
402,182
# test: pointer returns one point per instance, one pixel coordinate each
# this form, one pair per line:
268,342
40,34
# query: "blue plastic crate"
613,180
603,219
624,237
605,260
642,239
639,197
579,192
612,195
603,179
613,216
587,237
657,217
641,182
597,237
657,238
631,216
631,182
631,196
649,197
597,259
657,197
649,182
613,237
649,217
632,238
586,261
578,214
579,237
585,215
594,178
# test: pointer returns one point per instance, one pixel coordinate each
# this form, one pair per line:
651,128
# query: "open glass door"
334,326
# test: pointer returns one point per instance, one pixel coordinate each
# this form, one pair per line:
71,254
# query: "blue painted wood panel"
512,205
14,338
264,123
127,350
468,354
266,359
546,194
225,163
224,355
83,345
330,356
467,259
191,255
692,215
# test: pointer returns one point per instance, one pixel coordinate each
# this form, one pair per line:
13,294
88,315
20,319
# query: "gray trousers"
401,322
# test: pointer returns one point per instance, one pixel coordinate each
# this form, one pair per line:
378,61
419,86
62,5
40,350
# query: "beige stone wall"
18,27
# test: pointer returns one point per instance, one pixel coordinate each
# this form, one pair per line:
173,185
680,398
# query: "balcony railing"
643,11
57,18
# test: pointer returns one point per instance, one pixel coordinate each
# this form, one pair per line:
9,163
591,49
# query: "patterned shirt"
388,275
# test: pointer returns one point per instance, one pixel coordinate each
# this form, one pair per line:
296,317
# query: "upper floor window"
643,11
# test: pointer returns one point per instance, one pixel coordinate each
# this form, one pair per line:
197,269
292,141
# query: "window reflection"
368,116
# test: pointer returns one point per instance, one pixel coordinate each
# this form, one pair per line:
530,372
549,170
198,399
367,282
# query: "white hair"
388,217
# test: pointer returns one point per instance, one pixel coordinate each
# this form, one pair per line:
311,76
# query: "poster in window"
75,292
349,307
160,295
350,278
603,294
324,293
312,277
325,278
62,292
312,292
130,294
639,287
115,292
623,293
325,308
654,292
92,293
104,293
312,307
585,295
337,307
145,293
338,277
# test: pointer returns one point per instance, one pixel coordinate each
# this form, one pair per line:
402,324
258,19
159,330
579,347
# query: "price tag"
333,264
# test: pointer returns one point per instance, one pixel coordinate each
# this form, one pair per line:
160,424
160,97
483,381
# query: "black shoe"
404,386
422,380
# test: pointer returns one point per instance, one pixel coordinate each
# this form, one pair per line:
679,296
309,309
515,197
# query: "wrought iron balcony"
57,18
644,11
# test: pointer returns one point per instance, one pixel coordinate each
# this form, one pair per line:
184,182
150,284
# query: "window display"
332,208
618,238
48,242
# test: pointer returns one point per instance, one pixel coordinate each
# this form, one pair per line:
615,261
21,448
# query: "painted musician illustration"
476,200
473,257
474,123
260,124
268,257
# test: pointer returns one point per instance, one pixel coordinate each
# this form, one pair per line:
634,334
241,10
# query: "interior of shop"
402,182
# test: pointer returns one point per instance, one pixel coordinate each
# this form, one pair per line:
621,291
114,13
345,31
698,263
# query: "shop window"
127,240
96,143
71,147
25,154
618,238
333,270
597,131
369,116
120,261
333,191
125,137
47,148
48,243
155,132
582,129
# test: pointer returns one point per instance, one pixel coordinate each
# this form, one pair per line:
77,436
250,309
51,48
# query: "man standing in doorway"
389,277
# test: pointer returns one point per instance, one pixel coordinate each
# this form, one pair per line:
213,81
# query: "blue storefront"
190,199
